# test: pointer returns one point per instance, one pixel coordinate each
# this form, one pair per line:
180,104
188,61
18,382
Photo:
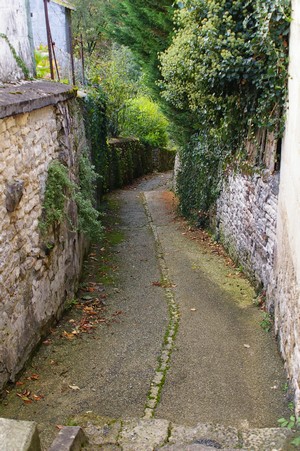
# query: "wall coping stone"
25,97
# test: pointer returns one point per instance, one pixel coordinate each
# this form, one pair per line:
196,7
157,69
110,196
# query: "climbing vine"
227,65
17,58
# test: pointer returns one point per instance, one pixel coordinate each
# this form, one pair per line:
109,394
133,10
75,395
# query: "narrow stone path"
177,336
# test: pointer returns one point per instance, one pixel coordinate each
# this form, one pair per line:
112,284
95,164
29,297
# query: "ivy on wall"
228,65
96,128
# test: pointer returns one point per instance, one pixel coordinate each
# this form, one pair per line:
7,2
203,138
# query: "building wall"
59,19
14,25
37,273
286,287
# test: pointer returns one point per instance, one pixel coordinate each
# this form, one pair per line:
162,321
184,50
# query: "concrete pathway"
179,339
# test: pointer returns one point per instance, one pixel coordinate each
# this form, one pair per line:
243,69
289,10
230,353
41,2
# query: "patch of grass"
285,387
266,322
72,422
115,237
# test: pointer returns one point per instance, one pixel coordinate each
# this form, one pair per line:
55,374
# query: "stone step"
143,435
19,435
154,434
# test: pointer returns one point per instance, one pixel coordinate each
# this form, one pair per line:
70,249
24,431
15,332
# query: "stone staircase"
98,433
148,435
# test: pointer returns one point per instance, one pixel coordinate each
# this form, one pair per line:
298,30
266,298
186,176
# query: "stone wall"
286,288
246,223
37,273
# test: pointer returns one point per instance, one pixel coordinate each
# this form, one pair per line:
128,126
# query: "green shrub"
42,63
59,188
145,121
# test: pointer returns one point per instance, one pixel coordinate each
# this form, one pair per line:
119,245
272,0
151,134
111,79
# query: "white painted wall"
14,24
287,263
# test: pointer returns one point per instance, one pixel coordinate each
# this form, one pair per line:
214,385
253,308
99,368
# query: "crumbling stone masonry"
39,122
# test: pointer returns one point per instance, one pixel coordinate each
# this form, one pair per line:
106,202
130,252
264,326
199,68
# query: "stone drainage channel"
170,335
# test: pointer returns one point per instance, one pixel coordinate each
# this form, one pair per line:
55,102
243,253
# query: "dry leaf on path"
68,336
74,387
33,377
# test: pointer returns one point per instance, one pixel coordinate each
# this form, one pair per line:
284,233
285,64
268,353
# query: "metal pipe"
71,51
49,39
82,59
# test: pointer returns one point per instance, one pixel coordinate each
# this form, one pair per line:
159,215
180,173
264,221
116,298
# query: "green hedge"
128,159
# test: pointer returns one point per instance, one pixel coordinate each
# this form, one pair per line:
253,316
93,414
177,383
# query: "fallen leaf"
47,342
19,383
156,284
68,336
74,387
38,397
193,310
118,312
25,396
33,377
246,346
59,426
75,332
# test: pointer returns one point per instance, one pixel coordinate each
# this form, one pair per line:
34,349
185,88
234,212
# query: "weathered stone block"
19,435
14,193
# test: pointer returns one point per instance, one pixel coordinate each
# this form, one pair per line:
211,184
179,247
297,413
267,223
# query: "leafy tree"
144,26
120,78
89,22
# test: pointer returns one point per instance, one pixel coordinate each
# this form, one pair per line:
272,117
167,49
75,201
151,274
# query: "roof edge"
66,3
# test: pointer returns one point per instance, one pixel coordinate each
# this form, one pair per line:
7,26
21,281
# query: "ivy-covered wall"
127,159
